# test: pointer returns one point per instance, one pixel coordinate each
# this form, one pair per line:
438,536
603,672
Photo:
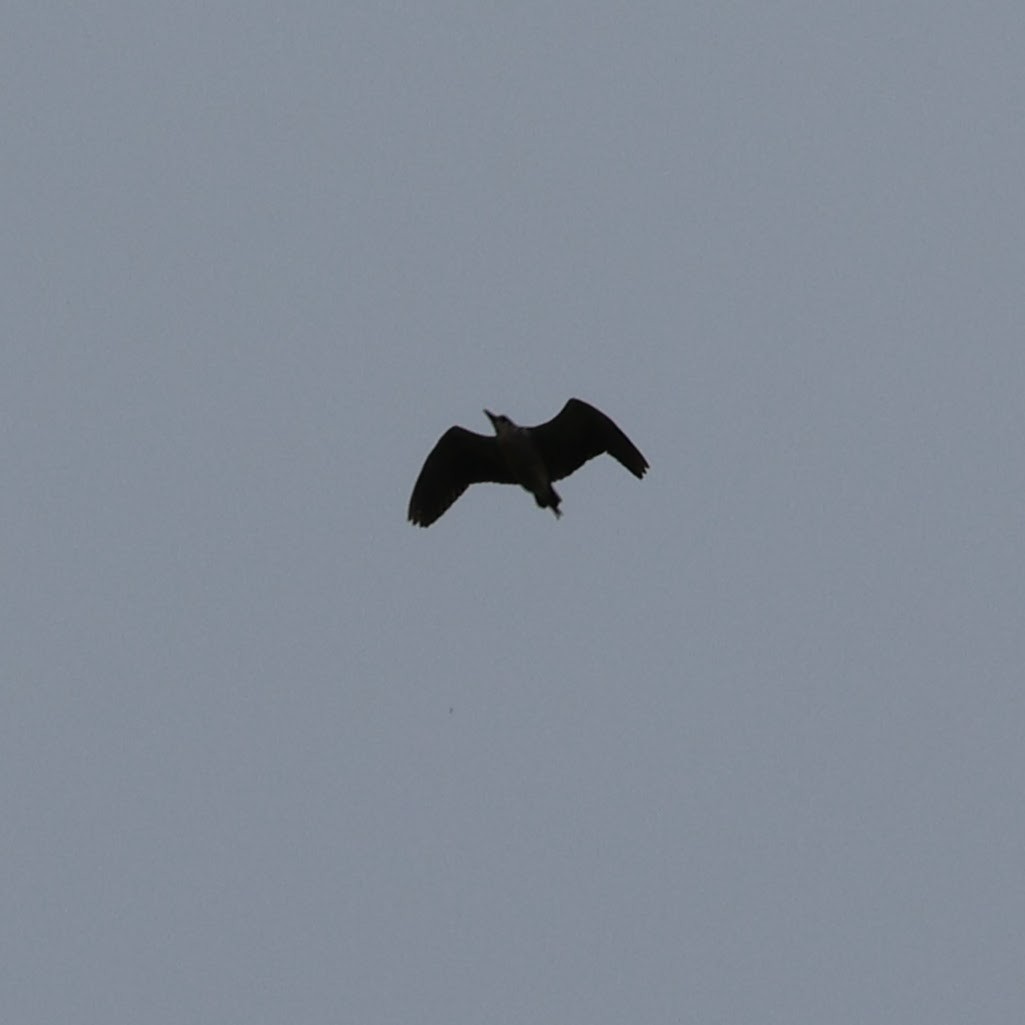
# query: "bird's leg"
552,501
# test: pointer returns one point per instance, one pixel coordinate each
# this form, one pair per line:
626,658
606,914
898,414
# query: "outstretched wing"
459,459
580,432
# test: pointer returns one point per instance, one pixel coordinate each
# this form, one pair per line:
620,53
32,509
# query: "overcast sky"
738,743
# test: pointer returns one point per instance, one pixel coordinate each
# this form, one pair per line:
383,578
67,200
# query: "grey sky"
739,743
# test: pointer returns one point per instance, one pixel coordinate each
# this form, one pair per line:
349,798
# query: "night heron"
532,457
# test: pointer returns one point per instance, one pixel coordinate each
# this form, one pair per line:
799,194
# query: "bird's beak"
491,417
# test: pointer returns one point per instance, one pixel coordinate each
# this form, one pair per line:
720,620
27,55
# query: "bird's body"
532,457
524,461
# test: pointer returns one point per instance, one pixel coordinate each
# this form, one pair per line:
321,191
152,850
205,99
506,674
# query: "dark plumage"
532,457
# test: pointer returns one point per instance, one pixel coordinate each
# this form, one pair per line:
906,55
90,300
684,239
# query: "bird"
533,457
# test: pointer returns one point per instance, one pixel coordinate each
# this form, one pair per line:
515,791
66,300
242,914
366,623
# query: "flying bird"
532,457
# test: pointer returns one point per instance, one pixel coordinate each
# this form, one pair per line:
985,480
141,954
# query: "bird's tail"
549,500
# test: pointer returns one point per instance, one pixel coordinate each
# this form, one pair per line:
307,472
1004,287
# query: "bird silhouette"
532,457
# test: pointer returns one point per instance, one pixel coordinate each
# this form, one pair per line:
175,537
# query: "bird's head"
502,424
